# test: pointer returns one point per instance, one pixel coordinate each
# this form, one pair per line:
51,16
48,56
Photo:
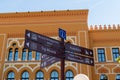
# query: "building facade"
18,63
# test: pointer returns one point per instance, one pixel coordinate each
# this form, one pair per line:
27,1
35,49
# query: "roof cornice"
45,13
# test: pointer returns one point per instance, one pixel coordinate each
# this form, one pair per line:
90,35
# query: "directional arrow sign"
47,60
79,59
43,49
44,40
78,50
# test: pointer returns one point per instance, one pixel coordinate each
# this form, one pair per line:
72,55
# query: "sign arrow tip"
28,44
28,34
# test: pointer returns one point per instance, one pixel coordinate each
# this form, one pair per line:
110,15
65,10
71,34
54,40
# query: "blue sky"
100,11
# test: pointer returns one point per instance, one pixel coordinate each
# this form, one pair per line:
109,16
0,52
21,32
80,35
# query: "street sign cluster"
51,49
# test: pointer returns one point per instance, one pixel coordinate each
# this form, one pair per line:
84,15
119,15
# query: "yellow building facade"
18,63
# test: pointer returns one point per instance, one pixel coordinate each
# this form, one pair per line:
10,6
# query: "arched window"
54,75
10,54
103,77
118,77
25,76
37,56
16,54
11,76
39,75
69,75
29,55
24,54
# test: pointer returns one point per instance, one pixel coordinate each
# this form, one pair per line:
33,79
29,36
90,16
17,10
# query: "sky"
101,12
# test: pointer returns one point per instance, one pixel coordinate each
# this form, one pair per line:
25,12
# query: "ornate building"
18,63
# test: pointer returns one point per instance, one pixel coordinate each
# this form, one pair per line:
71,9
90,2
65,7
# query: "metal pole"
62,61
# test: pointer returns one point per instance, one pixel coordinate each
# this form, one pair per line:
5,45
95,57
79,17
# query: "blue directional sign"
62,33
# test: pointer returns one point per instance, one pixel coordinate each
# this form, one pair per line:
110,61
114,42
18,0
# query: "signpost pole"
62,35
62,60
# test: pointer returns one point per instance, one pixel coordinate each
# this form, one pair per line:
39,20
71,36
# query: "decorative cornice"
50,22
45,13
105,27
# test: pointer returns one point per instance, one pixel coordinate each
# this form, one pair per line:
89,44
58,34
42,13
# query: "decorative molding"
103,67
103,70
11,40
111,70
3,46
10,66
45,22
44,13
86,45
24,65
104,27
106,63
80,45
53,65
70,64
114,69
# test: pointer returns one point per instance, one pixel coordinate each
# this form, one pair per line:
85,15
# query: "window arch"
118,77
10,54
25,76
103,77
24,54
16,54
54,75
39,75
11,76
14,44
69,75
